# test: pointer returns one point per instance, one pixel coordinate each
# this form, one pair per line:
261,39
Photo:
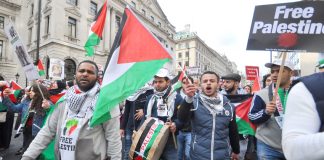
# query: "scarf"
75,101
212,103
160,98
139,92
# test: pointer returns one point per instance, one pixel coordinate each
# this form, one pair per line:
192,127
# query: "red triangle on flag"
182,74
99,23
137,43
15,86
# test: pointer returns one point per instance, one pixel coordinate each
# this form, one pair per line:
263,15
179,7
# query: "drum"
149,141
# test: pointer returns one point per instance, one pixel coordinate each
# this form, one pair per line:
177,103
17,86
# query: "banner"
21,52
297,26
56,70
252,72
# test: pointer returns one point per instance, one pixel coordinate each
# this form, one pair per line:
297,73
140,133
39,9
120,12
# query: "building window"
179,55
69,69
117,22
180,64
32,9
171,48
93,8
73,2
143,12
72,27
166,46
30,34
187,54
187,63
152,18
47,24
159,24
1,22
1,48
133,4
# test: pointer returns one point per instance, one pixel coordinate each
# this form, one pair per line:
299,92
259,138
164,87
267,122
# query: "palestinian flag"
55,98
136,57
242,107
40,68
96,29
178,83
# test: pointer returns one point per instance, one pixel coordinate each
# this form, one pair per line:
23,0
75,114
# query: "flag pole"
184,73
41,92
280,75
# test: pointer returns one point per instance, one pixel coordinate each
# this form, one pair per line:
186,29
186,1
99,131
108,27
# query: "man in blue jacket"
214,129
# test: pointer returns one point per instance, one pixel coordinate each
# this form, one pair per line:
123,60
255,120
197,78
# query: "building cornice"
11,5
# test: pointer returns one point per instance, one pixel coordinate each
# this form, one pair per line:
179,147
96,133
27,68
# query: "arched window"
69,68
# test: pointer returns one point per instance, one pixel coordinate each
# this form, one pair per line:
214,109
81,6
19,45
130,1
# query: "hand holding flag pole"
279,76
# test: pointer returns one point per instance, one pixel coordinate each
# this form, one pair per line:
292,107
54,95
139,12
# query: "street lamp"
17,77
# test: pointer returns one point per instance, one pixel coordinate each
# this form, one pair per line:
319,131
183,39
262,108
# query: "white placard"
21,52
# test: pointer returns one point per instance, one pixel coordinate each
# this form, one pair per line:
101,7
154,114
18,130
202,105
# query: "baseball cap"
163,73
232,76
277,62
320,61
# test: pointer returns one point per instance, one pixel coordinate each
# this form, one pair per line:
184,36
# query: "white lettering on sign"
304,26
293,12
148,137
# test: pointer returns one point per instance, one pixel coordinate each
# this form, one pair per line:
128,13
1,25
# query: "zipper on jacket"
213,136
194,142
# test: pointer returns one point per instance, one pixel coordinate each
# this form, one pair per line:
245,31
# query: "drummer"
163,105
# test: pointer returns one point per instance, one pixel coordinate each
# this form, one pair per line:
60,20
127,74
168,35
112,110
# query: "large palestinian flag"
96,29
242,108
136,57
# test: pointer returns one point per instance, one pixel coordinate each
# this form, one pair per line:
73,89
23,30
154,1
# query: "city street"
16,143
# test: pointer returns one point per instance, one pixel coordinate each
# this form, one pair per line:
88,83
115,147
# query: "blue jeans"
184,141
265,152
169,152
128,143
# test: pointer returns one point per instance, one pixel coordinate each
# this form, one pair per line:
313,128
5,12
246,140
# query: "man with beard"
231,84
69,126
268,113
163,105
214,129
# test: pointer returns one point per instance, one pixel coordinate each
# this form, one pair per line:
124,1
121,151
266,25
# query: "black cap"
232,76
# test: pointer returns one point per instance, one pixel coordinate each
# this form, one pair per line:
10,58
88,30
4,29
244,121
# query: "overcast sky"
223,24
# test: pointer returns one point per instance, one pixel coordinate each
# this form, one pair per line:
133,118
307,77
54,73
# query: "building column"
112,26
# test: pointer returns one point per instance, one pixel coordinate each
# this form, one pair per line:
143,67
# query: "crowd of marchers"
202,123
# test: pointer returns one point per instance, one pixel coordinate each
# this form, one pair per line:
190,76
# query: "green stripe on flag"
41,72
16,93
117,91
92,41
155,134
244,127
